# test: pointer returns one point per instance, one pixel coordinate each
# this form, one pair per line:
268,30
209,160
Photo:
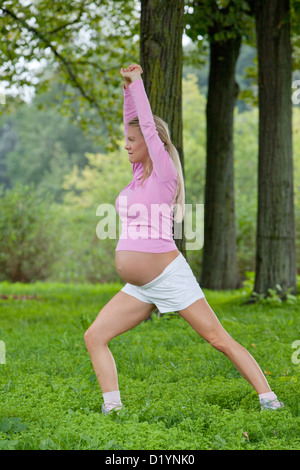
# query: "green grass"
177,391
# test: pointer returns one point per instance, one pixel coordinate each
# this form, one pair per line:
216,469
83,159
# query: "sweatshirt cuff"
133,84
126,91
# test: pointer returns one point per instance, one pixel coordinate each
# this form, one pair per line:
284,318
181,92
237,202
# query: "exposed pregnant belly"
140,268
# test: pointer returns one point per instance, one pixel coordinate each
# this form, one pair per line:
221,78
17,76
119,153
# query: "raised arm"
163,166
129,110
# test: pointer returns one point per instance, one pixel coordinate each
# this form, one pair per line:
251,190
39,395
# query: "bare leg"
120,314
204,321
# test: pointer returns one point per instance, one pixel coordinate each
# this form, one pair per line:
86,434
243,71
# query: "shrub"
28,245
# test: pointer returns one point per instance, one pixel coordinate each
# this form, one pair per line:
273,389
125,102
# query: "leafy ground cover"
178,392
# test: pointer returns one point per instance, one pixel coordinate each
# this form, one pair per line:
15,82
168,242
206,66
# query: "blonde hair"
164,135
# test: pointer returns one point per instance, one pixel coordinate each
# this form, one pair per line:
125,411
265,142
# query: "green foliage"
40,147
194,138
178,392
218,20
83,256
276,296
100,181
27,228
73,42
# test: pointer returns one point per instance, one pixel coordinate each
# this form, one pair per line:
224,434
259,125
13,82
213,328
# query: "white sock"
112,400
267,396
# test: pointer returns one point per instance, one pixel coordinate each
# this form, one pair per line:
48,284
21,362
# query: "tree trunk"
161,30
219,266
275,251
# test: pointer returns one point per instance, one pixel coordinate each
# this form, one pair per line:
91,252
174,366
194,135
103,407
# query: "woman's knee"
221,343
89,337
95,336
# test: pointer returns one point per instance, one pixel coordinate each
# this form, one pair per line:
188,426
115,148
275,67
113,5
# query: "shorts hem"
185,305
133,295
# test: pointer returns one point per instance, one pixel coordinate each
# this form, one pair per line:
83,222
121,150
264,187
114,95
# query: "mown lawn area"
177,391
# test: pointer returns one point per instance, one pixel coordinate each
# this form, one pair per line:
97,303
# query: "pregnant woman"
147,259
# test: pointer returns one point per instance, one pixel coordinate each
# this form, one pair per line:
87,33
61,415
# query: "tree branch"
60,58
63,26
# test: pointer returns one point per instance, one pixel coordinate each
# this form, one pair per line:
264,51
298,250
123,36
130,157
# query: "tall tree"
161,30
275,255
219,266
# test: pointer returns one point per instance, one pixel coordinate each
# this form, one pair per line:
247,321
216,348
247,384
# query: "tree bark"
219,266
275,252
161,30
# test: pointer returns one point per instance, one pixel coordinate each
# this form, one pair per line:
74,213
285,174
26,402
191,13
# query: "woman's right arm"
129,109
129,112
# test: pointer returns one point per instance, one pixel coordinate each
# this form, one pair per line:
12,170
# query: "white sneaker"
267,404
106,411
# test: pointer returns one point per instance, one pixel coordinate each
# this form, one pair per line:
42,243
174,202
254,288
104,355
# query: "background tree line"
77,159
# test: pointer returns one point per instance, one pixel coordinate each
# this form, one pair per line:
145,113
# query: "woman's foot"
107,410
267,404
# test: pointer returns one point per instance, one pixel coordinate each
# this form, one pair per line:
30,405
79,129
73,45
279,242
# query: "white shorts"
174,289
